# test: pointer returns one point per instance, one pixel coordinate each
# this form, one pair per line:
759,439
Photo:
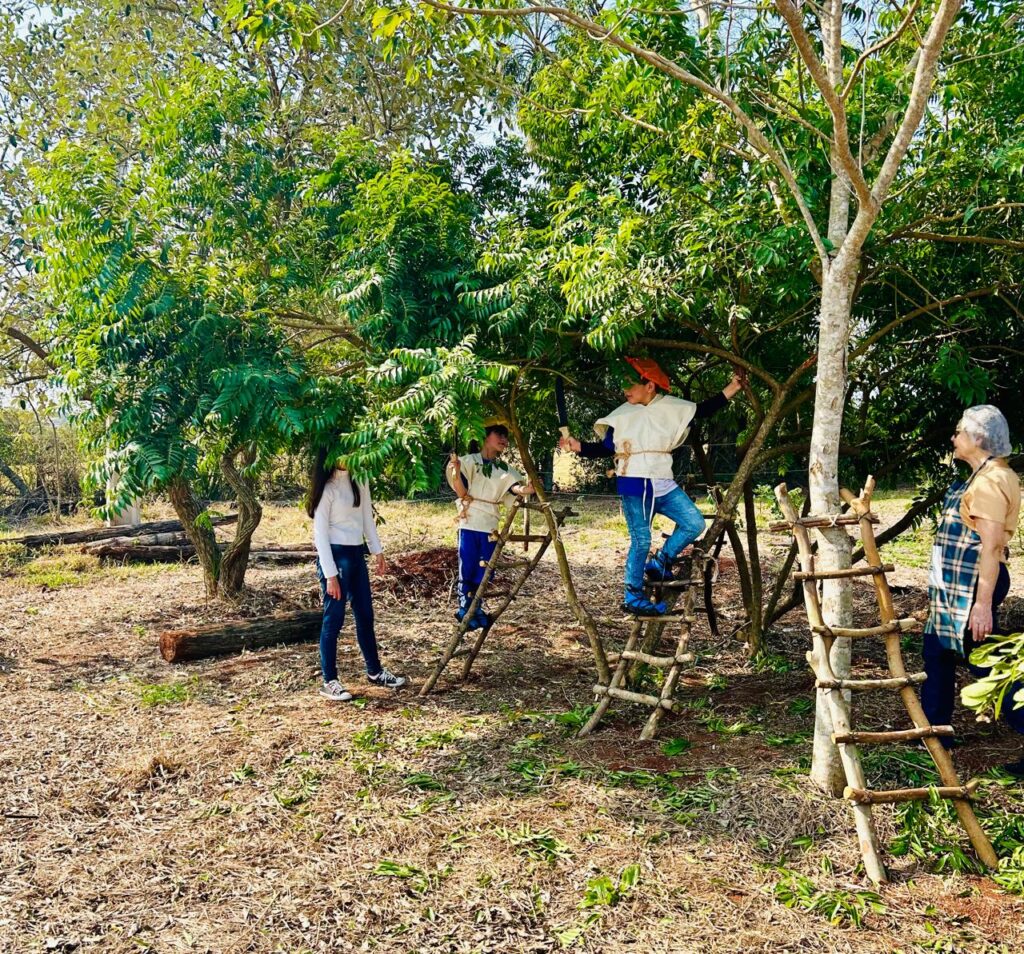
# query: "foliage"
540,845
1004,657
837,906
161,276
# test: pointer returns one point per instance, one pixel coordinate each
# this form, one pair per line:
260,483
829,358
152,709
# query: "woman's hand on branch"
334,588
569,444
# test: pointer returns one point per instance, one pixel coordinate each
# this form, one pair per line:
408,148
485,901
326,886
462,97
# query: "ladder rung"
669,585
662,662
521,537
845,520
896,626
508,565
843,574
863,796
864,685
494,594
664,618
627,696
463,651
904,735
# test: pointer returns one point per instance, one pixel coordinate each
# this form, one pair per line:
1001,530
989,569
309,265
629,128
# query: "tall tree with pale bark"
779,84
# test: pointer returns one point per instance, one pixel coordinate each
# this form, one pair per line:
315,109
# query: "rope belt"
627,452
465,501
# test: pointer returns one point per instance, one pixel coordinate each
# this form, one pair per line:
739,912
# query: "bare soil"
224,806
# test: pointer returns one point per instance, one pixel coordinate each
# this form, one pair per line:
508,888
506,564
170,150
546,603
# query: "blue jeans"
638,513
355,588
474,546
938,693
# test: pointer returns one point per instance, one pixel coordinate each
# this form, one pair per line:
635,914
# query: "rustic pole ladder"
641,645
457,647
890,629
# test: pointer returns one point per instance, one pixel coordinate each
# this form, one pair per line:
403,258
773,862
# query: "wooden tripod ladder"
890,629
642,650
457,647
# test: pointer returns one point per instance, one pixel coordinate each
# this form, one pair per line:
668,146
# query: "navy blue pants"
474,546
938,693
355,589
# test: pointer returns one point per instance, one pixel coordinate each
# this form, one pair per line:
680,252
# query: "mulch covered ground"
223,806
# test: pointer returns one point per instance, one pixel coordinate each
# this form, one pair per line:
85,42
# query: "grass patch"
57,570
166,693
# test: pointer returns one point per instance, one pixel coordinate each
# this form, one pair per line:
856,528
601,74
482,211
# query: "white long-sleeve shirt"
336,521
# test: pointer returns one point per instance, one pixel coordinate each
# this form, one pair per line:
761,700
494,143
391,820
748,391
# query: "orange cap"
649,371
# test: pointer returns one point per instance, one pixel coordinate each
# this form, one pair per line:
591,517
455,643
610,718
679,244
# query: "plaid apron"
953,573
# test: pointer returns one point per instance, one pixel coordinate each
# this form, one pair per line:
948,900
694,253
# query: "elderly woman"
968,578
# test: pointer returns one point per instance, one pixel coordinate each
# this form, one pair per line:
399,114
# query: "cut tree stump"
234,636
65,537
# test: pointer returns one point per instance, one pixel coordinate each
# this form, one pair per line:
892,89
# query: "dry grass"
223,806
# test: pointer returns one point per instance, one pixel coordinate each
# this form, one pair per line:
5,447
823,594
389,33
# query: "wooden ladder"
644,637
890,629
457,646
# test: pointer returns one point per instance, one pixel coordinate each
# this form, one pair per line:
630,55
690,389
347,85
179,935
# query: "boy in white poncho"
481,481
641,435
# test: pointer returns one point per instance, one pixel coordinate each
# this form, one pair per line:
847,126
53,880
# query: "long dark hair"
318,477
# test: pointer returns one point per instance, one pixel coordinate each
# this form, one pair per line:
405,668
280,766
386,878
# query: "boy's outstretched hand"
739,381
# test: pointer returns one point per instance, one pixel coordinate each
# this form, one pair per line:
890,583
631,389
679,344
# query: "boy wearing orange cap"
641,435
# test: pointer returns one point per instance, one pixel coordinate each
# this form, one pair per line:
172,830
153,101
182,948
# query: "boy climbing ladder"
481,481
641,435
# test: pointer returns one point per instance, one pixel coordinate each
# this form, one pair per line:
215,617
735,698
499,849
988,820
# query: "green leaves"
1004,656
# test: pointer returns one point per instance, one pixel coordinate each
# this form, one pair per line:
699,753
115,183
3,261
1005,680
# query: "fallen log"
175,538
234,636
281,556
177,553
65,537
126,553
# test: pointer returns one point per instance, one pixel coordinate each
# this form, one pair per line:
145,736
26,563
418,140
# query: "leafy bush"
1004,655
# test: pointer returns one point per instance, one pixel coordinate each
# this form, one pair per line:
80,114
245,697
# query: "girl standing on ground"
481,481
343,532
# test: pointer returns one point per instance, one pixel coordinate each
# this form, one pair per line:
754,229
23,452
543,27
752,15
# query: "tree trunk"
236,556
199,531
755,638
838,282
23,489
234,636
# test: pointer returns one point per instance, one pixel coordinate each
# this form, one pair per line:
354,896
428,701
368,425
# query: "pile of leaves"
423,573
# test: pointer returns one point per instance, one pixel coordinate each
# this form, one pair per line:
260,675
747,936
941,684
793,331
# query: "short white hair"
986,424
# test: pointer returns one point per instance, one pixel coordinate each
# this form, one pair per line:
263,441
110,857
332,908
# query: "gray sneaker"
388,679
335,691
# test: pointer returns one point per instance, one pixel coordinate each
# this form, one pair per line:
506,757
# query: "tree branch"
669,68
